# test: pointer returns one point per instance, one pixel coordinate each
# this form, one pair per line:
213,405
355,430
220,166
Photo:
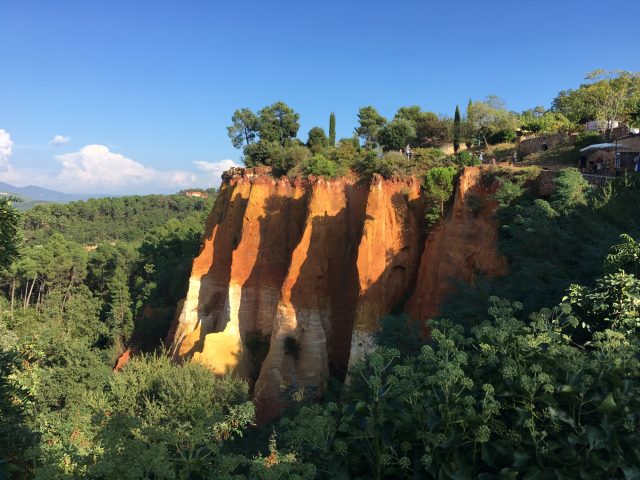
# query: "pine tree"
457,130
332,129
119,316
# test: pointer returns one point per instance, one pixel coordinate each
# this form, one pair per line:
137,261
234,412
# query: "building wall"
631,144
528,146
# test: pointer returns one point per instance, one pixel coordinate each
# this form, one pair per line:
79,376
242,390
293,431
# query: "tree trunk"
28,299
24,296
40,290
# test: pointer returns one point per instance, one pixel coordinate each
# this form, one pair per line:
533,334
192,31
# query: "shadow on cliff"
329,281
280,232
325,299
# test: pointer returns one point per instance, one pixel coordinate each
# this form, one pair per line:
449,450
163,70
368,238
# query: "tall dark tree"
332,129
457,130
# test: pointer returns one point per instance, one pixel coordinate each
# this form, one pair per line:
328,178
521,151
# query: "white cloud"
95,167
59,140
214,170
6,147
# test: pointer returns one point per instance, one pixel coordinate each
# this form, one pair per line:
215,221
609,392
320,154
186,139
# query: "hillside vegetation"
110,219
535,375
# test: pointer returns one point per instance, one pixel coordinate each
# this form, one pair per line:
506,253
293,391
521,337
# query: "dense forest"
534,375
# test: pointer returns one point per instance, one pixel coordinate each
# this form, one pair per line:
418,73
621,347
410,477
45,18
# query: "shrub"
571,190
438,184
345,153
465,159
320,166
294,156
425,158
511,399
263,153
502,136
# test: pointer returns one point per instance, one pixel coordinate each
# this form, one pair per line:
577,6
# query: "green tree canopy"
432,130
411,113
369,124
320,166
607,96
278,123
488,117
537,120
317,139
396,135
244,127
9,239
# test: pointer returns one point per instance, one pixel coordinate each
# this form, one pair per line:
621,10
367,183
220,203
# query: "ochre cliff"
294,276
461,246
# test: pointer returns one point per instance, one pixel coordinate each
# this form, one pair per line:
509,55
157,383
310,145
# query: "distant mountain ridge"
33,192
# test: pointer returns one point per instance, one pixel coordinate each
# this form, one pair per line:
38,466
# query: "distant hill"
33,193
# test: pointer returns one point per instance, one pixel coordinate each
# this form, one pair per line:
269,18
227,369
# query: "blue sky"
143,89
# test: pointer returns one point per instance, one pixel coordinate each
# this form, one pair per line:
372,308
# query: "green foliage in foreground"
557,396
157,419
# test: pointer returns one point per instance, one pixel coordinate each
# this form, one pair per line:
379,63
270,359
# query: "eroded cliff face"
295,276
463,245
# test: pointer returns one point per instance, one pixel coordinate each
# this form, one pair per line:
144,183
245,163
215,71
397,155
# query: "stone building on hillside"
613,158
196,193
542,143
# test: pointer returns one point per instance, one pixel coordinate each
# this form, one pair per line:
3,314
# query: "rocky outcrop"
463,245
294,276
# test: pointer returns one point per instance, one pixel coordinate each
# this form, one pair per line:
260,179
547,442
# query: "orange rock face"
461,246
295,276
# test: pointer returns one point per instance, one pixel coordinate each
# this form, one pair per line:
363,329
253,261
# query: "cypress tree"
332,129
457,130
468,129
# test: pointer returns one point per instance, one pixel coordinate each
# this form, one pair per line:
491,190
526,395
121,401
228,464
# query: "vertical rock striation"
463,245
294,276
